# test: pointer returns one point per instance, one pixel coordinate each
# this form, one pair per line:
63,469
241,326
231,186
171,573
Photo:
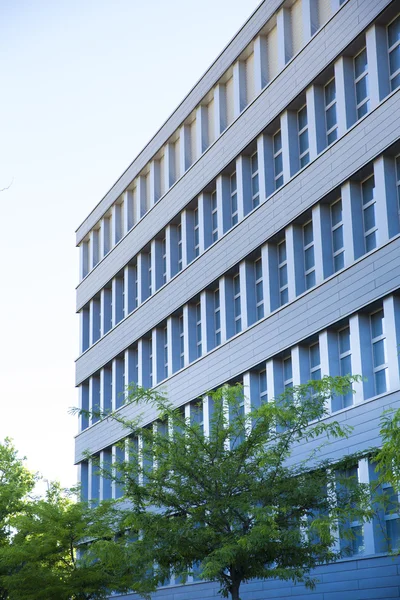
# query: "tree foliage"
247,500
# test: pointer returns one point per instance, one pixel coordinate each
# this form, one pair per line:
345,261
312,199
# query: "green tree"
388,457
243,501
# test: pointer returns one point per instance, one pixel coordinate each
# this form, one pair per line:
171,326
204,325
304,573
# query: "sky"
84,86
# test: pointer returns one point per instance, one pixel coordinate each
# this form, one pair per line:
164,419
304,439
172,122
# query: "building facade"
256,238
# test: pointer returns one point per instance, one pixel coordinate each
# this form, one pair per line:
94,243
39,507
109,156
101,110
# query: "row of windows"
320,243
150,186
355,345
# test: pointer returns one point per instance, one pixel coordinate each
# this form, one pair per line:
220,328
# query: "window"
259,289
181,343
369,220
283,274
164,259
150,363
165,352
394,52
302,128
149,273
196,233
179,236
361,83
217,318
287,373
214,216
354,545
337,235
392,519
345,363
197,414
136,284
315,362
262,378
309,260
236,304
198,329
379,351
330,112
278,159
234,203
255,187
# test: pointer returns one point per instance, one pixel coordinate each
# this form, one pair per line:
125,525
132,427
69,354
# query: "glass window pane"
284,296
368,187
360,63
344,340
393,532
279,182
337,239
331,118
380,381
379,353
254,163
309,258
259,293
254,185
305,159
330,92
314,355
369,217
370,242
336,212
396,82
377,324
303,141
283,278
362,110
361,89
357,543
394,31
339,261
302,117
287,369
282,252
332,136
310,280
394,60
308,233
278,164
345,365
277,141
233,182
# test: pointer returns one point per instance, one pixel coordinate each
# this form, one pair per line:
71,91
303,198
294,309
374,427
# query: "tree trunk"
235,590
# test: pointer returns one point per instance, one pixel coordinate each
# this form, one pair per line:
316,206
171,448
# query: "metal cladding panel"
297,74
265,339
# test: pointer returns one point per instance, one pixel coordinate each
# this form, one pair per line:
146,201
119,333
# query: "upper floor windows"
164,259
398,179
330,112
361,83
278,159
337,235
302,127
180,249
283,274
394,52
309,258
345,363
217,318
196,232
198,330
255,185
236,304
315,362
258,276
181,342
369,217
287,373
214,216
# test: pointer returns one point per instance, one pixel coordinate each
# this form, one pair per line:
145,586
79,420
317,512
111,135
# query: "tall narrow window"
309,259
287,373
217,318
214,216
262,380
354,545
361,83
236,304
255,187
259,289
369,218
394,52
150,363
234,203
345,362
278,159
164,259
283,274
196,232
330,112
379,351
198,329
136,284
315,362
392,517
302,127
181,343
165,352
149,273
179,236
337,235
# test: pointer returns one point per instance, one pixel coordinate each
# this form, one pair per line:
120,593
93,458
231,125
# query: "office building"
256,238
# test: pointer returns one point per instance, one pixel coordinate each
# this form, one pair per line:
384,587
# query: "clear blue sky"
84,85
